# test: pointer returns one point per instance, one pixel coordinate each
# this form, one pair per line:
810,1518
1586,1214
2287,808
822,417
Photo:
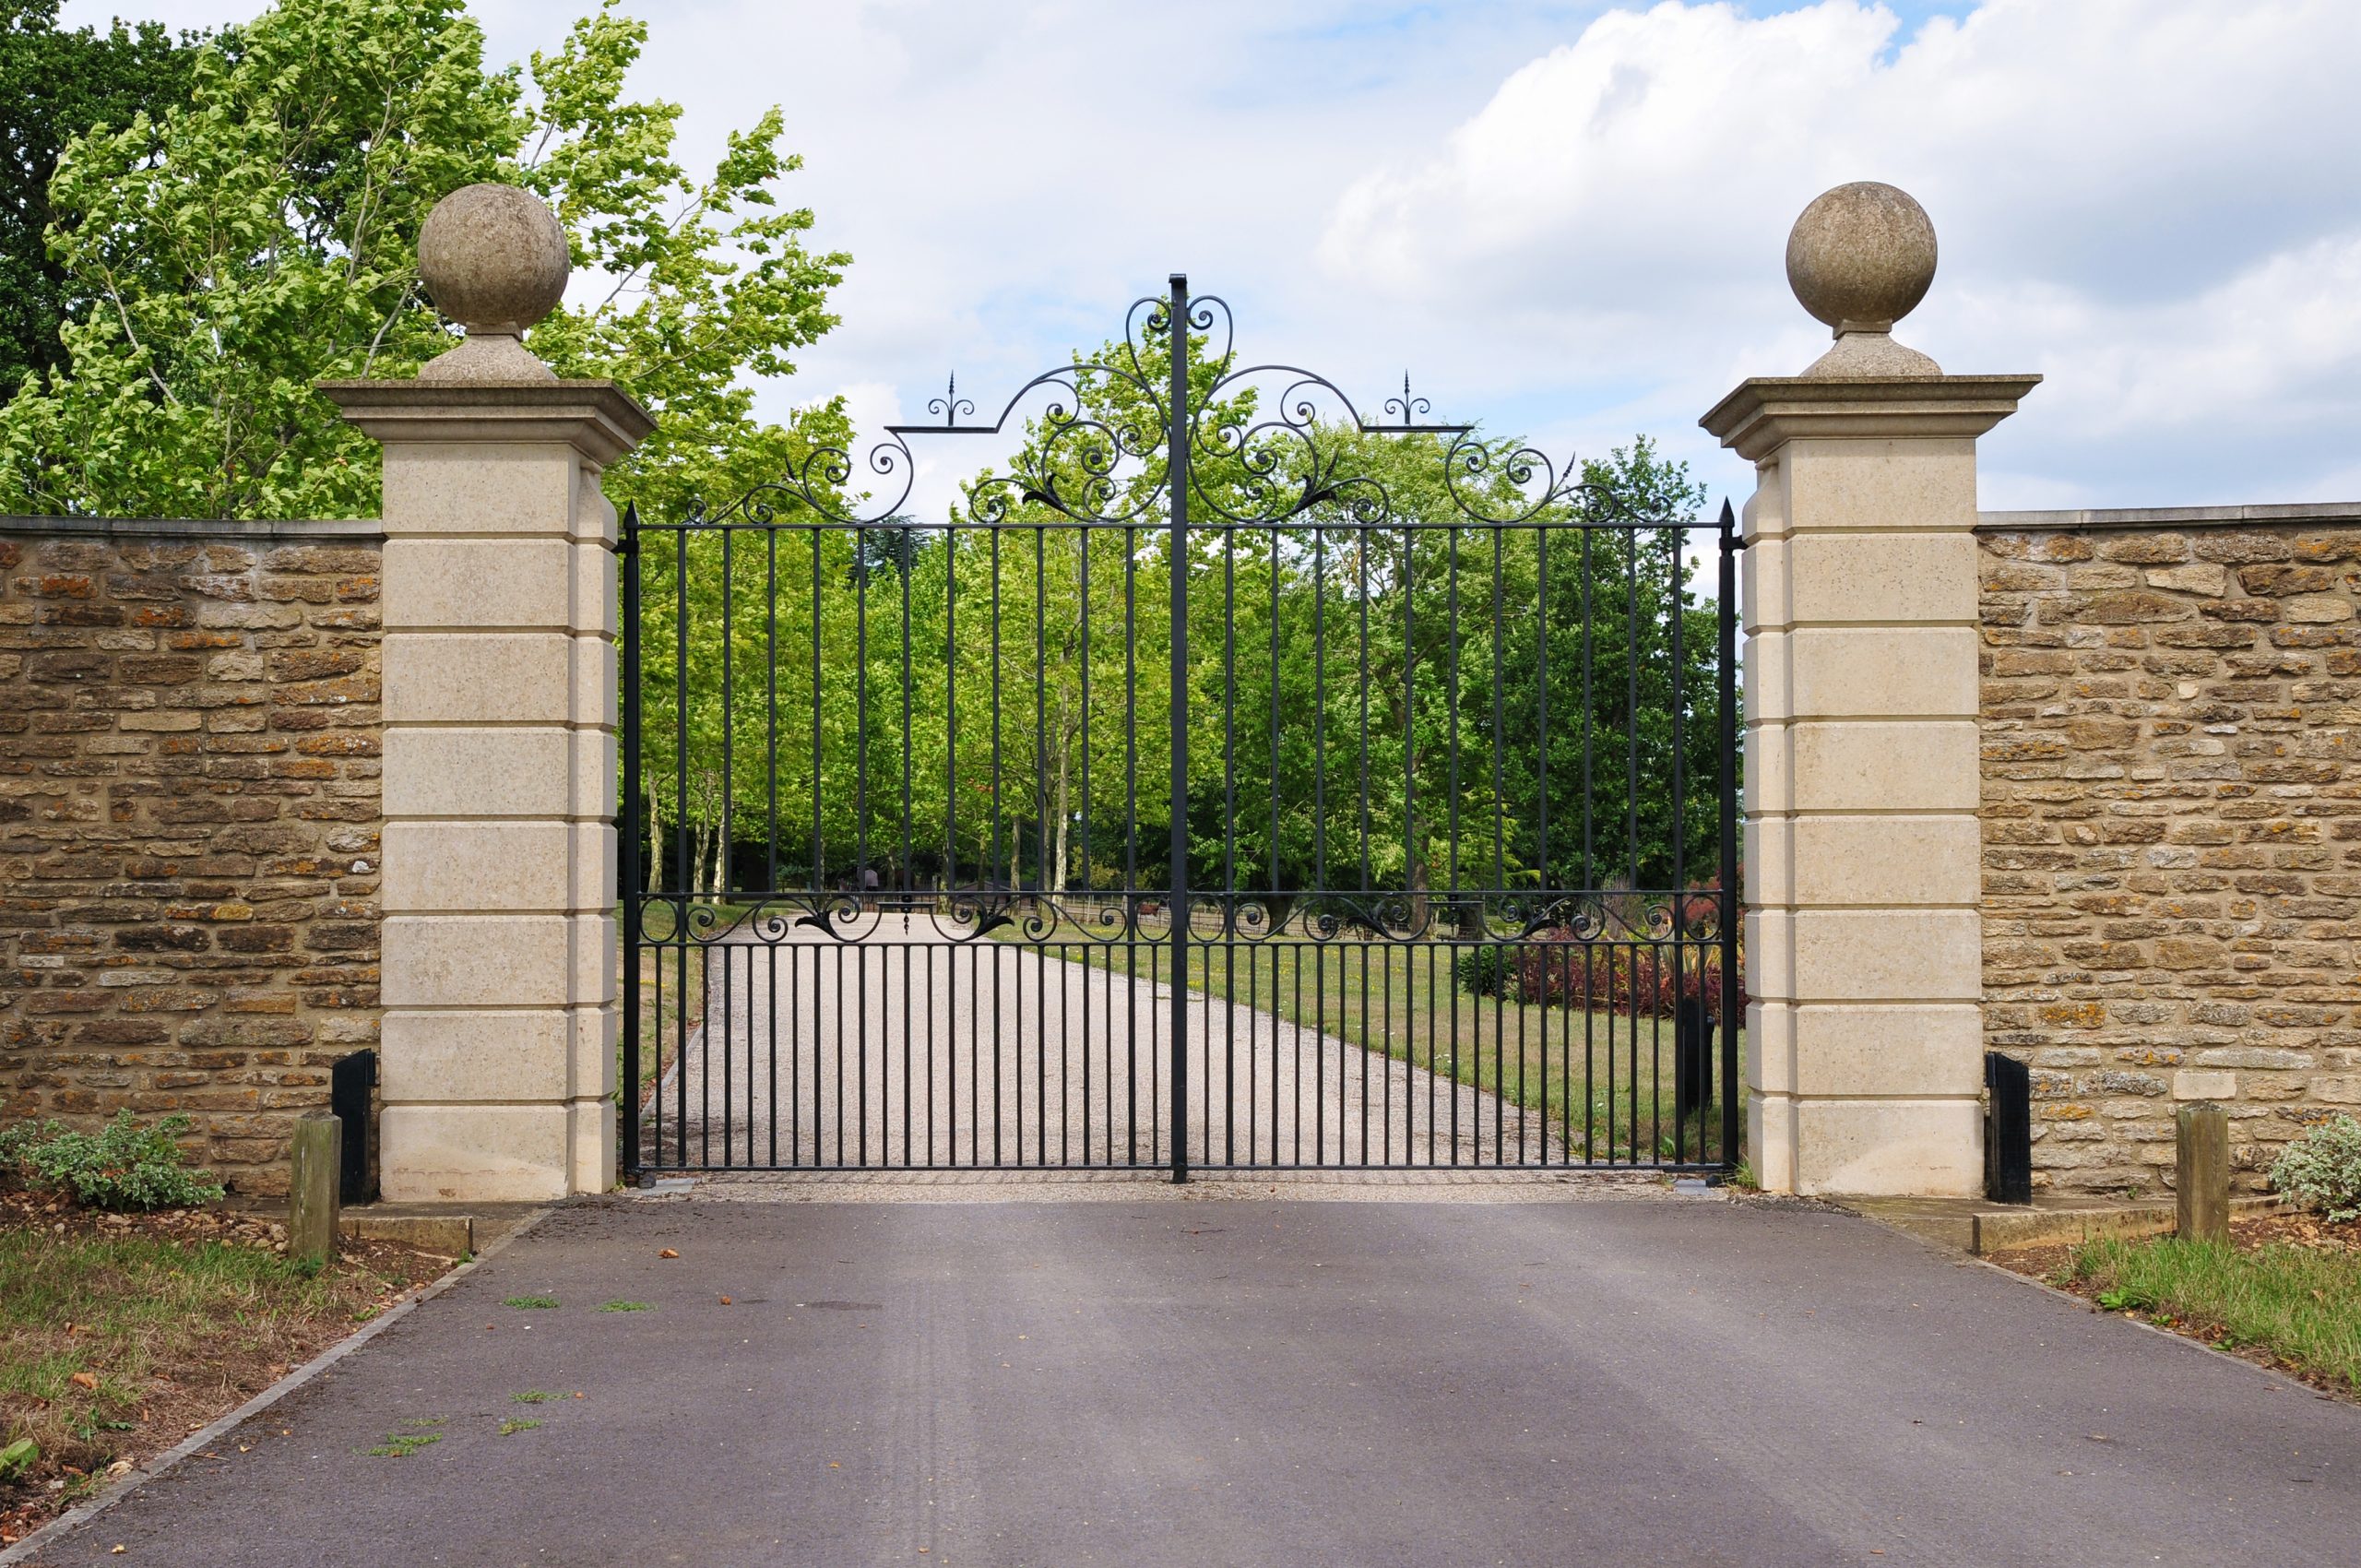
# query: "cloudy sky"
1567,219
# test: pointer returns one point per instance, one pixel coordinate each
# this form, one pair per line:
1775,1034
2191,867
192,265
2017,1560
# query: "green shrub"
1482,970
123,1165
2321,1170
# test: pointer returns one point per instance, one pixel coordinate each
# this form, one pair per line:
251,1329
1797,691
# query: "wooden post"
311,1189
2201,1172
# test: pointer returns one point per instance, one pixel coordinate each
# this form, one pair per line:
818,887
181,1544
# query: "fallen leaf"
83,1380
725,1301
668,1252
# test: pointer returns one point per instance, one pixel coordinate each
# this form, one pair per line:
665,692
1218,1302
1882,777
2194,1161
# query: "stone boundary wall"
188,823
2171,758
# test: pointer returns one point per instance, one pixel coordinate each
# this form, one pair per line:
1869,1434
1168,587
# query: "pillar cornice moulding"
598,419
1766,412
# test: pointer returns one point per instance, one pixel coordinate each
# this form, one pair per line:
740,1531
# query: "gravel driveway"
900,1051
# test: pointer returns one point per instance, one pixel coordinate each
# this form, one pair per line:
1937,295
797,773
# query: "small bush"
1482,971
2321,1170
123,1165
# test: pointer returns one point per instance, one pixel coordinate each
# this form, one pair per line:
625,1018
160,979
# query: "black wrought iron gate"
1234,780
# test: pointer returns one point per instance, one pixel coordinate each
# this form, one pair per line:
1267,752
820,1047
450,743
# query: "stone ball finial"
492,258
1862,256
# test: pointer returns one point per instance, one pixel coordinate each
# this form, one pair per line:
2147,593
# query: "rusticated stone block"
2171,830
202,717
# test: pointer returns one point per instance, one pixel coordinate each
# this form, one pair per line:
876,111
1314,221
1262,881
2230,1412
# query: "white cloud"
2148,200
1566,220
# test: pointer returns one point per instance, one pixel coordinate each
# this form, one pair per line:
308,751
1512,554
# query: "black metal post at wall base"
1732,916
350,1082
2008,1130
634,876
1176,458
1451,708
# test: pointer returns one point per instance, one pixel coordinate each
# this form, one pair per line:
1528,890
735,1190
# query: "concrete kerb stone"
205,1437
1976,1228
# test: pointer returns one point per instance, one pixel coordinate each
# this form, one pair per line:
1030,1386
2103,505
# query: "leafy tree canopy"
56,84
235,249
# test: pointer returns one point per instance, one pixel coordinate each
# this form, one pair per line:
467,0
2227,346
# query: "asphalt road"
1274,1381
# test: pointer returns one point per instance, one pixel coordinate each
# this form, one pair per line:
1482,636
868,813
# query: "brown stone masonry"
2172,826
188,823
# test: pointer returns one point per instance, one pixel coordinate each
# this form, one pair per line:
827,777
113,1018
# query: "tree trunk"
1065,771
655,841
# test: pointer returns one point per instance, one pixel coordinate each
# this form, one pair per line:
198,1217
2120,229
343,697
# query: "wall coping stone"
196,528
2341,514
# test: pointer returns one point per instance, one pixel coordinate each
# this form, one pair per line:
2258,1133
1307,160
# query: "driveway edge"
205,1436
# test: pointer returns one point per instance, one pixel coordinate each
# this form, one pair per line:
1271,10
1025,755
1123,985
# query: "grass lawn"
120,1335
2286,1291
1607,1074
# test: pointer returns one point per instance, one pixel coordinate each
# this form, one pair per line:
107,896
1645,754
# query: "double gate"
1234,780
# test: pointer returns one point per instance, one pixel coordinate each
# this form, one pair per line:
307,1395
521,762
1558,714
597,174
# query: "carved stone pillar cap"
1860,258
493,259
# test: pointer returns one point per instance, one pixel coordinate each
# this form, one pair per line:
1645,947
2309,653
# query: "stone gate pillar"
1862,871
499,977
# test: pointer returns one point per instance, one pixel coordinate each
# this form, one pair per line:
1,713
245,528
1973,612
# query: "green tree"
57,84
238,248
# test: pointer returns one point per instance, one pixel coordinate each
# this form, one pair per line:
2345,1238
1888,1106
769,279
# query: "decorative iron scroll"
1123,463
1606,918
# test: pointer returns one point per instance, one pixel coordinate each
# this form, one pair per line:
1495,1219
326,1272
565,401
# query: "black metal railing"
1428,742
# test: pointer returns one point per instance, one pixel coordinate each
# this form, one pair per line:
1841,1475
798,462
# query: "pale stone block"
462,1056
1770,768
480,487
1767,850
2195,1084
476,1153
478,677
1895,860
597,590
478,961
591,788
1770,1046
595,694
1911,482
520,771
594,958
1889,955
1771,1141
1884,672
435,583
1762,586
1765,668
1770,953
590,868
1929,1148
1852,578
593,1037
461,867
595,517
1924,765
2202,577
591,1139
1765,516
1908,1053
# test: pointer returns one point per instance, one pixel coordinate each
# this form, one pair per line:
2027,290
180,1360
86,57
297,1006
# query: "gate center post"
1176,473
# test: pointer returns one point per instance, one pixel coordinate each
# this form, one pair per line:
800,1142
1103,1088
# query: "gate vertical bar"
1729,781
628,916
1176,470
